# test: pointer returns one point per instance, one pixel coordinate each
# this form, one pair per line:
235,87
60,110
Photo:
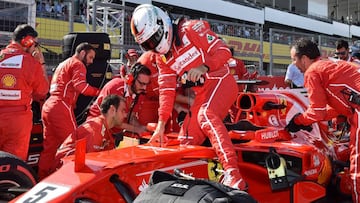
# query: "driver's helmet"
152,28
355,49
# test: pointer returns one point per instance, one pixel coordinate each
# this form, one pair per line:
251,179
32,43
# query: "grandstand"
259,30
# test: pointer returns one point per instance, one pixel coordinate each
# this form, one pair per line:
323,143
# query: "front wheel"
16,177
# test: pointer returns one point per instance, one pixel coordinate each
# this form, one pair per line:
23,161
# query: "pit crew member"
132,88
23,76
96,130
68,81
333,88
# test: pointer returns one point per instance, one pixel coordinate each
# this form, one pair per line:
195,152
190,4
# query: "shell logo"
8,80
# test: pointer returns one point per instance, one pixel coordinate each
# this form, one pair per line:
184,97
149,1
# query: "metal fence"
12,13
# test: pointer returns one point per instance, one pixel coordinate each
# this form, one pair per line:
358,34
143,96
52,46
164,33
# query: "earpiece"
133,73
27,41
130,79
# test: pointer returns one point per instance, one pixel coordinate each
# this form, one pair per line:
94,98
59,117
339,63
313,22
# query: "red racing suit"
238,69
68,81
124,70
98,138
326,81
21,77
149,103
200,46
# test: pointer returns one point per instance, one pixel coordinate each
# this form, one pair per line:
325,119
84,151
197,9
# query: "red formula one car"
278,166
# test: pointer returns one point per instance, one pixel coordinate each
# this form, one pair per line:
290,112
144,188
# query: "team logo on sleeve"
210,38
8,80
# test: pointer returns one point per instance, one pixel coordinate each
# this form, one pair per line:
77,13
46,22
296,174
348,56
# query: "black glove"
181,117
293,127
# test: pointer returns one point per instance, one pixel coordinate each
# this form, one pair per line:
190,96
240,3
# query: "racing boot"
233,179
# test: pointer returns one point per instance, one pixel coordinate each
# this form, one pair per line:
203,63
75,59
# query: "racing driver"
188,49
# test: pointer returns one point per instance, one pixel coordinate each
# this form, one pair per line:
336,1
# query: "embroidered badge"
210,38
8,80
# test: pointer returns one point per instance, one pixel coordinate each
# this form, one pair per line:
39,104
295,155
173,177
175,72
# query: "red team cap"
131,52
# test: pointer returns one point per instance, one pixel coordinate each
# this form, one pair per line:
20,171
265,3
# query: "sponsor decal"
273,120
96,46
210,38
185,59
199,26
311,172
2,56
8,81
283,101
12,62
179,185
10,94
143,186
249,50
214,170
106,46
269,135
185,41
316,160
44,192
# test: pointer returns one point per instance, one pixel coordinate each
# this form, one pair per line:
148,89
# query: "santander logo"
185,59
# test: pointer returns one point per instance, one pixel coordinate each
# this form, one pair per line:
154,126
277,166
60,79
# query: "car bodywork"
278,166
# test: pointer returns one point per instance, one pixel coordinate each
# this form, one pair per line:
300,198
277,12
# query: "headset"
133,73
27,41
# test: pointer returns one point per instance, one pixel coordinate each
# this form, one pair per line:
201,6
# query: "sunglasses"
340,53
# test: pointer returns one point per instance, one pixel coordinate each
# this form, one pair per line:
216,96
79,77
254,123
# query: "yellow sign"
249,50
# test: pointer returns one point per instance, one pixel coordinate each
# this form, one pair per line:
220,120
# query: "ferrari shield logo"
214,170
1,57
8,81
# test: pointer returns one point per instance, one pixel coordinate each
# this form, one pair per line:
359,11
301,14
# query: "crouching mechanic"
132,88
96,130
190,50
333,88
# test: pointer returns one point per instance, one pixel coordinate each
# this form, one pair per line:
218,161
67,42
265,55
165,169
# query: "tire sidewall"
13,169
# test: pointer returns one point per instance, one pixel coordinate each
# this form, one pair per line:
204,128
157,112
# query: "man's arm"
79,81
